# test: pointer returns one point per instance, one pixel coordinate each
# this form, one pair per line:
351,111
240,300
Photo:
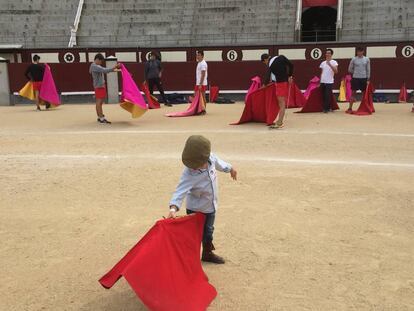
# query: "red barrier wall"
386,74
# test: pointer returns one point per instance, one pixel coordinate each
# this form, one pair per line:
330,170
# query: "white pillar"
4,83
112,80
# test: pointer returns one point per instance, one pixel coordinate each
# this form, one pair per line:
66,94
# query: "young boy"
152,75
199,183
97,72
360,69
201,78
35,73
329,68
281,70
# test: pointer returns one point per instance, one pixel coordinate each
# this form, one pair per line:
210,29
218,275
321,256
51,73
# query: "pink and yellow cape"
131,97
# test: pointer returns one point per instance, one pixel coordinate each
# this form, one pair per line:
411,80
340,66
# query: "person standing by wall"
98,72
360,69
329,68
35,73
201,78
153,75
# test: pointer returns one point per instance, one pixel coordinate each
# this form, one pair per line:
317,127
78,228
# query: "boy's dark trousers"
208,246
326,89
208,226
156,82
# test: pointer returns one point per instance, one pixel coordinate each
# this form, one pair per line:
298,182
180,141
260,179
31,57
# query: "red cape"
164,268
214,93
402,98
152,101
261,106
295,98
315,102
367,104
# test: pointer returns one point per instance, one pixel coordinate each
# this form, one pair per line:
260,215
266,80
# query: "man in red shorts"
98,72
35,74
282,69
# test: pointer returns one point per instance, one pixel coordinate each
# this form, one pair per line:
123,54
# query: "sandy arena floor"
322,217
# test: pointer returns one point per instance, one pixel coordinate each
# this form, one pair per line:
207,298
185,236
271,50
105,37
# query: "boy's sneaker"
103,121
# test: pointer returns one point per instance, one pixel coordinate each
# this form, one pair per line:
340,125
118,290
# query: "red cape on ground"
214,93
402,98
152,101
164,268
295,98
261,106
367,104
315,102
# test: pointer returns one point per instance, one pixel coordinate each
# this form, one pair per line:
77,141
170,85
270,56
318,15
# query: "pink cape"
131,97
315,102
48,91
295,97
152,101
164,268
195,107
214,93
403,94
313,84
261,106
367,104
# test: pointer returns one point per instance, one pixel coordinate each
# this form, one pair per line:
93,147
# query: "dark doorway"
319,24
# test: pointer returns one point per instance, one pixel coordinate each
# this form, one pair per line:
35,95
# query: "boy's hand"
233,174
173,210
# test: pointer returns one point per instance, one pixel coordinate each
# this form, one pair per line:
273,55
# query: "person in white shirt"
201,78
329,68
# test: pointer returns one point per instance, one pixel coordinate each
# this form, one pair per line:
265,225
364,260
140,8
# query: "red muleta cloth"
261,106
367,104
315,102
164,268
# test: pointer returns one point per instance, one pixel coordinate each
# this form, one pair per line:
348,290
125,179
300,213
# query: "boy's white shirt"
328,74
201,66
200,187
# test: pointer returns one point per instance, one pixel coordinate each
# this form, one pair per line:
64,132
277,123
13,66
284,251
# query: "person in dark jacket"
35,73
153,74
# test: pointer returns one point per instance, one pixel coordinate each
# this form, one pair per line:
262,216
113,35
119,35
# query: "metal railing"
74,29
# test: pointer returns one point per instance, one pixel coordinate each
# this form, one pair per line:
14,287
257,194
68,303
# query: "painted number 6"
408,51
316,53
232,55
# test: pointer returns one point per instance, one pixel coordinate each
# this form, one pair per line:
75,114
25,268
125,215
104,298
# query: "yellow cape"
27,91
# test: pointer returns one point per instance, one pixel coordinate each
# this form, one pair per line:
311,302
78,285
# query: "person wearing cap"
198,184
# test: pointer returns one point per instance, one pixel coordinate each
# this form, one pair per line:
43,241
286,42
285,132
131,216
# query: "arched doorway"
319,24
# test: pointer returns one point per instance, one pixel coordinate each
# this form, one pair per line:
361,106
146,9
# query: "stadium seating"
36,23
129,23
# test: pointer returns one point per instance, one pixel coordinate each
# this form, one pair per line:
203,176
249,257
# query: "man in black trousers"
153,73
